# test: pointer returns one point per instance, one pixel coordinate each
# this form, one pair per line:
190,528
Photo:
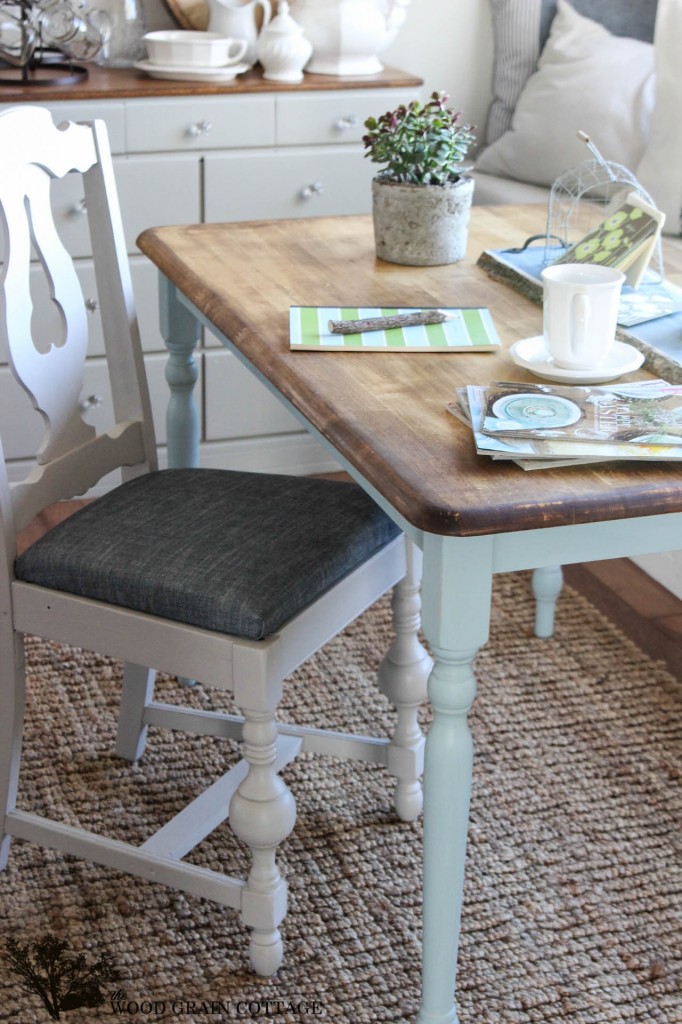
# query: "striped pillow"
516,36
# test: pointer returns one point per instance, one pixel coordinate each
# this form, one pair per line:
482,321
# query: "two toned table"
383,417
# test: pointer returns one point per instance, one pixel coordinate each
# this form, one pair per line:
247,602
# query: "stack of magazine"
542,426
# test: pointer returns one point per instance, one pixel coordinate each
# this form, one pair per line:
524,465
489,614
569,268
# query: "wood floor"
643,609
648,613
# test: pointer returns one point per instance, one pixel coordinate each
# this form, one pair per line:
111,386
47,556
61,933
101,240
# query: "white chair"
229,578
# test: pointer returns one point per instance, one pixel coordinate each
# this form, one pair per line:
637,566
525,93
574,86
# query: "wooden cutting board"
189,14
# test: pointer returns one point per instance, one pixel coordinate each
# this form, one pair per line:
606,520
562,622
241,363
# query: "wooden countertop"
386,412
122,83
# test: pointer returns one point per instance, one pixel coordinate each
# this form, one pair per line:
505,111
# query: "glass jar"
121,23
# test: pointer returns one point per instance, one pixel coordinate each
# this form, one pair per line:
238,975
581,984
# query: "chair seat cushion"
238,553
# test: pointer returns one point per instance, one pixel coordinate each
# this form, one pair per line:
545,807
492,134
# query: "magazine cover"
547,452
498,448
645,413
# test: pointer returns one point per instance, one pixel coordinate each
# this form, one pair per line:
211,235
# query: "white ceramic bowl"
187,49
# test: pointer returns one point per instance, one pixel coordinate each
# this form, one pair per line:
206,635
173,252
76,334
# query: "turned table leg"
180,332
547,583
457,590
403,676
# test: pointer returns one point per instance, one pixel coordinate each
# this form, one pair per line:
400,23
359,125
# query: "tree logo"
63,980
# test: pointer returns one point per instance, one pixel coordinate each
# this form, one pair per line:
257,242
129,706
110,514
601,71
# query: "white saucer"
183,73
531,354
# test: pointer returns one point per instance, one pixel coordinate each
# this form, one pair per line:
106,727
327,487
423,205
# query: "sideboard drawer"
97,396
16,407
203,122
46,322
145,278
158,190
332,117
113,114
144,185
238,405
70,213
311,182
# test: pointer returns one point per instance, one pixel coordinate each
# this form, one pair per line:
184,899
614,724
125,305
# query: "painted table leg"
457,589
547,584
403,676
180,331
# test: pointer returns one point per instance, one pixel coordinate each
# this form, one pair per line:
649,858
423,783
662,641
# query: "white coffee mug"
580,312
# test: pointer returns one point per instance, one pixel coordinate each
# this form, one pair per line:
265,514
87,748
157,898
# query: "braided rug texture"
573,898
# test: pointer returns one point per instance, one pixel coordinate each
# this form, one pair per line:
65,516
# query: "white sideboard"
186,154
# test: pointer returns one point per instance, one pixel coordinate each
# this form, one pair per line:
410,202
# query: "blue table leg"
457,587
180,332
547,583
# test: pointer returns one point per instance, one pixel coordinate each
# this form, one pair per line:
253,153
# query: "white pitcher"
348,35
239,21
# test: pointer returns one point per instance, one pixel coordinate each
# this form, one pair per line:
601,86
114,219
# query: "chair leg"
12,700
547,584
137,692
262,814
403,676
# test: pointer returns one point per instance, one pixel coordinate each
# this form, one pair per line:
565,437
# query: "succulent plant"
419,144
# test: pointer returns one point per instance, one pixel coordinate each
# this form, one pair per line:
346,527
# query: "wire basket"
583,196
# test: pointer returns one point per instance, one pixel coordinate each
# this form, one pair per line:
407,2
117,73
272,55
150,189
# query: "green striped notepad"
471,330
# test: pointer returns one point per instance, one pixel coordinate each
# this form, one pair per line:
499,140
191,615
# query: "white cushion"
520,30
492,190
587,79
660,170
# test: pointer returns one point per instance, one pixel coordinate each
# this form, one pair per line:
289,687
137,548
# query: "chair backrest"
73,456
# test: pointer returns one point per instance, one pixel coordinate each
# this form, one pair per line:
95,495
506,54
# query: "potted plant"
422,198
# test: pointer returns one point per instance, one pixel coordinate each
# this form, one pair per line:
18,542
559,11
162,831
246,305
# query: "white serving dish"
176,73
184,48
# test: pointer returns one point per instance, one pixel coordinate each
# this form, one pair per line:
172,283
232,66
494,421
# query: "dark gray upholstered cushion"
239,553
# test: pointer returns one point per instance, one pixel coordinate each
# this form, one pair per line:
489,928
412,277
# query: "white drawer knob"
349,121
200,128
316,189
80,207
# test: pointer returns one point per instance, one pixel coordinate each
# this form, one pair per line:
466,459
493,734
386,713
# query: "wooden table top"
385,412
102,83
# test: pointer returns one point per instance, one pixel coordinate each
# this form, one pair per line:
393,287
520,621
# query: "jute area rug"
573,888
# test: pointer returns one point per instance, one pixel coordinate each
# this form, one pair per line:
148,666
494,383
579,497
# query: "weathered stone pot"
421,225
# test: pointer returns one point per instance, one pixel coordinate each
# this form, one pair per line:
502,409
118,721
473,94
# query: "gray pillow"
520,30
